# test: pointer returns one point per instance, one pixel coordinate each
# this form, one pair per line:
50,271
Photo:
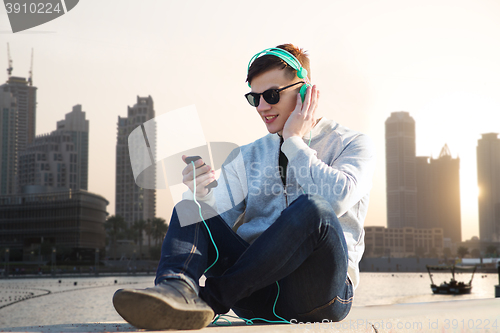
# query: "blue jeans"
304,250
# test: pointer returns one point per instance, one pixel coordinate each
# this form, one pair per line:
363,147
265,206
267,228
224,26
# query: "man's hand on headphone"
303,117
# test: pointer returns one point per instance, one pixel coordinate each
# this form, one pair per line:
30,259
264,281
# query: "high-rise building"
18,125
422,192
400,170
8,142
133,203
25,95
443,192
424,189
488,177
58,159
50,161
77,127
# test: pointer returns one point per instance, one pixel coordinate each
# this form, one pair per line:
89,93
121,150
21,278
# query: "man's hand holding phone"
205,175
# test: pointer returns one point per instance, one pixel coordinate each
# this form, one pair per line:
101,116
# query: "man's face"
275,115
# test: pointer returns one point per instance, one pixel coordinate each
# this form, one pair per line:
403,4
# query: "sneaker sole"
146,311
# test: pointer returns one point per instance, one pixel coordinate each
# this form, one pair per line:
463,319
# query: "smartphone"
190,159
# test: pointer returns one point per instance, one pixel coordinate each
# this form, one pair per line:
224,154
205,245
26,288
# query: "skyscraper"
444,194
488,177
25,95
8,142
58,159
18,124
133,203
400,170
77,127
424,197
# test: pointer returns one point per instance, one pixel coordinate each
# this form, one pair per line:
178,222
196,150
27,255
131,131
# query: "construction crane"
30,80
9,61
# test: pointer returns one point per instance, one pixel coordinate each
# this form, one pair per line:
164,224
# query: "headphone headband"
285,56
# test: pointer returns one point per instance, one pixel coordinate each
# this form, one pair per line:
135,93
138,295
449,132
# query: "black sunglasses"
271,96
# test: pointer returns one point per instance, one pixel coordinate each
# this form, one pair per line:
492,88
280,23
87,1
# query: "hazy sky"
438,60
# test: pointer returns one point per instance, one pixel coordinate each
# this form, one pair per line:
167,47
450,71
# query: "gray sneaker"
172,304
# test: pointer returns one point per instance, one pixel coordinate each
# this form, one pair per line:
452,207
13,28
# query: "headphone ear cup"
302,73
303,91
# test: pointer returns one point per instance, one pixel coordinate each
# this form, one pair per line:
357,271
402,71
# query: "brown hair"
268,62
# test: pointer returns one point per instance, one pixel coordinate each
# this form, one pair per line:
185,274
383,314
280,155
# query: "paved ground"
53,306
453,316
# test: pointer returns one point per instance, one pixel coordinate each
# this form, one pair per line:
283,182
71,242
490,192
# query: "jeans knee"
316,205
188,212
187,205
313,210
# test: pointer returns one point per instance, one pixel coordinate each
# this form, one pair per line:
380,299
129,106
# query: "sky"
438,60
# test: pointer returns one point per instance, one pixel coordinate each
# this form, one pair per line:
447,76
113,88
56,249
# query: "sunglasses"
271,96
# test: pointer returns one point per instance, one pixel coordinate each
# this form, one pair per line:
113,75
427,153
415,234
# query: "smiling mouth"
270,117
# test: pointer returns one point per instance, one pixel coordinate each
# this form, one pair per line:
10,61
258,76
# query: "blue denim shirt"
338,164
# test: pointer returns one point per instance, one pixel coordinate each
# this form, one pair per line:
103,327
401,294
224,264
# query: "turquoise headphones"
291,61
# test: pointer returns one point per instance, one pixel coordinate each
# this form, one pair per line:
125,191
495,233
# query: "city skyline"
368,59
76,121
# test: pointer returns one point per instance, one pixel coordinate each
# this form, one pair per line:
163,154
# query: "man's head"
267,62
271,72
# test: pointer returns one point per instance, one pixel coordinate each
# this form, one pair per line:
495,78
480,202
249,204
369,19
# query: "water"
45,301
394,288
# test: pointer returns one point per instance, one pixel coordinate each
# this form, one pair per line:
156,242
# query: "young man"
302,195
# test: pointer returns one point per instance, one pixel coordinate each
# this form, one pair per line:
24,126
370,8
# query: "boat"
453,287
